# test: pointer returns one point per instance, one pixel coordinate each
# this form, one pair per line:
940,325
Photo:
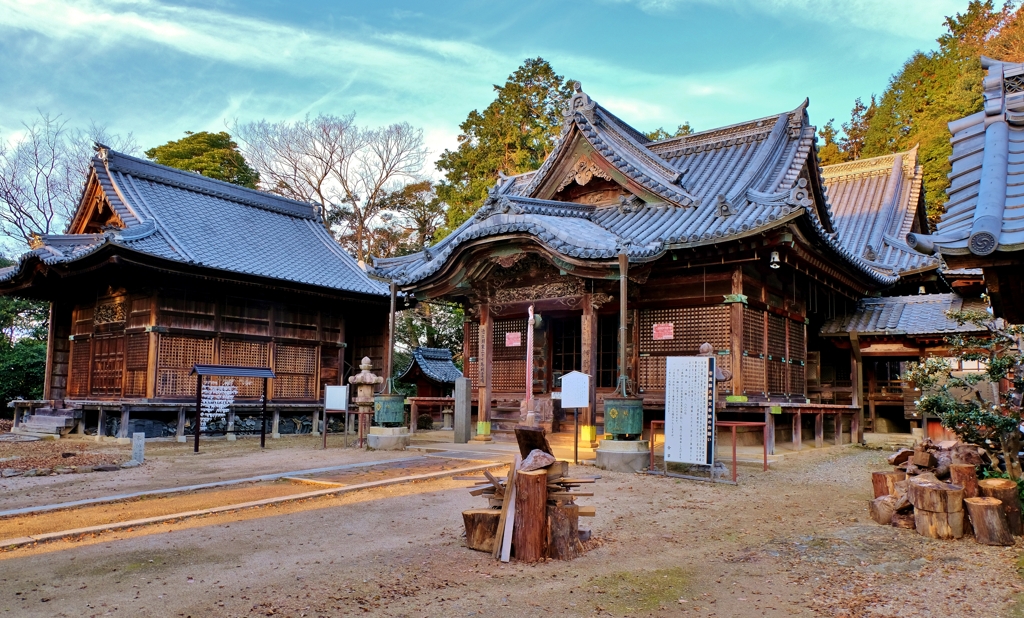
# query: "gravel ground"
795,541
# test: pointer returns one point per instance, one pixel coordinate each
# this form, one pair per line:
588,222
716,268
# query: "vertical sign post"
335,400
690,409
576,394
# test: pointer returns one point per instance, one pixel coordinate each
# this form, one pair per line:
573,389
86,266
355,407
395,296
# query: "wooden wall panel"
295,367
175,358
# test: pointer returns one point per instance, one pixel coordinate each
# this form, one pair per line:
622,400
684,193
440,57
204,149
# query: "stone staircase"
48,422
505,415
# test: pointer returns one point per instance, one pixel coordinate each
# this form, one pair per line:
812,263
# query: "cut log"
966,476
935,496
903,520
967,454
563,532
939,525
481,528
943,461
884,483
989,521
1005,490
924,459
529,532
900,456
882,509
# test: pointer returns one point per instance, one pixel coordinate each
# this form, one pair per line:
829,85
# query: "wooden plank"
569,494
508,504
587,511
530,438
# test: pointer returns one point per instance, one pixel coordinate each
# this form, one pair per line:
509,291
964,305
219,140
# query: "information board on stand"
690,391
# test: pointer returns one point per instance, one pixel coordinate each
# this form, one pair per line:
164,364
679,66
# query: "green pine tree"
512,135
213,155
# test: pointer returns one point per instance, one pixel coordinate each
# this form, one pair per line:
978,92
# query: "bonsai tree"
982,407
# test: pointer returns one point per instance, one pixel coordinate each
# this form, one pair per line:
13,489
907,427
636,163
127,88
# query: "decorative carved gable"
581,173
95,214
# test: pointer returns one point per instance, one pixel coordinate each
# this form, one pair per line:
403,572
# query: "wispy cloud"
913,19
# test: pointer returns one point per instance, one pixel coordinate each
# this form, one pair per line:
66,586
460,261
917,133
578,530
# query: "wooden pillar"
819,430
315,429
797,430
769,426
857,380
125,417
839,428
486,361
589,331
736,334
179,433
101,424
50,340
151,368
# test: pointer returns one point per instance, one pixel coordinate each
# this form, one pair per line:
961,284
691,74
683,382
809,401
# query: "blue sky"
160,68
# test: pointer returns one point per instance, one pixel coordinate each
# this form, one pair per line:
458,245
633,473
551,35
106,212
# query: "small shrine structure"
161,270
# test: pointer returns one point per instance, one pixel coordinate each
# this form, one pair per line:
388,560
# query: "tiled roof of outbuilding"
924,314
185,217
876,203
435,363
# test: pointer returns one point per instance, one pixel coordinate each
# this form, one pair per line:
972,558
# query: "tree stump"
481,528
529,531
939,525
989,521
1006,491
935,496
882,509
966,476
904,520
884,483
563,531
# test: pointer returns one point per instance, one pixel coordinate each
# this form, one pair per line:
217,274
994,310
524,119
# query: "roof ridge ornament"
629,204
580,102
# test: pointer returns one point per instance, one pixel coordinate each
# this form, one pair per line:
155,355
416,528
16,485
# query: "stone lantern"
364,381
379,438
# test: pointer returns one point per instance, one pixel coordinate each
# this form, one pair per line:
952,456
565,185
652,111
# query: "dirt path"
170,464
792,542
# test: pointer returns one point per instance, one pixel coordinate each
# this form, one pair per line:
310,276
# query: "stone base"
181,438
388,438
623,455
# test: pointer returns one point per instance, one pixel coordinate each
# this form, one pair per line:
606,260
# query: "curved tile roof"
876,202
715,185
436,364
924,314
189,218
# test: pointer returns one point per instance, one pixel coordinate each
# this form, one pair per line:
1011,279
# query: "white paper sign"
216,399
690,409
336,398
575,390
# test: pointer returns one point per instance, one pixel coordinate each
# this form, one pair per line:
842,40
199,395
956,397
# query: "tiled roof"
189,218
924,314
985,211
435,363
876,202
698,190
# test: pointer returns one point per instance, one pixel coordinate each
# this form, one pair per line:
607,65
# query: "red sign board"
513,340
663,332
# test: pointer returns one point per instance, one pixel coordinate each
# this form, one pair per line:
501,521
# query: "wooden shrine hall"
161,270
725,237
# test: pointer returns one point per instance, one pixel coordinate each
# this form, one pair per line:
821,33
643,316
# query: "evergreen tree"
854,131
213,155
512,135
829,152
660,133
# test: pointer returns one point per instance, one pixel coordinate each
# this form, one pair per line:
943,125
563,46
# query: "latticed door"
509,370
753,352
136,365
295,368
471,353
680,331
777,380
246,354
107,366
797,358
176,356
81,361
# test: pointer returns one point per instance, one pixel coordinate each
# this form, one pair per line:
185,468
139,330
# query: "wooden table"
730,424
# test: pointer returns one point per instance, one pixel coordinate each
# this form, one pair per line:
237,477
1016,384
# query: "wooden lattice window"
690,327
80,362
753,351
471,353
295,367
175,358
107,366
502,328
777,384
136,364
797,358
246,354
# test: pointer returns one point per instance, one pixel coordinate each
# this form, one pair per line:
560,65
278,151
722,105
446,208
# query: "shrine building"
163,269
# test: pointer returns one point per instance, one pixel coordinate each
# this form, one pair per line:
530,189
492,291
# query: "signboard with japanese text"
575,390
336,398
690,409
513,339
664,332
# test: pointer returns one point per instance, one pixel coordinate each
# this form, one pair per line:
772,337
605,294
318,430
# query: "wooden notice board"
690,409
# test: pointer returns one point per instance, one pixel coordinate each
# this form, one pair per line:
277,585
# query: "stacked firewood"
934,489
532,512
